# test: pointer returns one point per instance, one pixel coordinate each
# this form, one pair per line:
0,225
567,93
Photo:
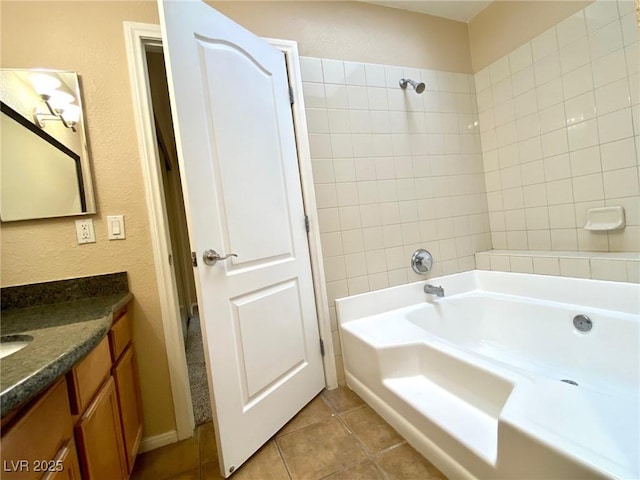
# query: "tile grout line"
335,413
284,461
371,456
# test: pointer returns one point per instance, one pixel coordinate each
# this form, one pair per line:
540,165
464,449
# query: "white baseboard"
157,441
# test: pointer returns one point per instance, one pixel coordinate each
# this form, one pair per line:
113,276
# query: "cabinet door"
37,434
125,374
65,466
99,437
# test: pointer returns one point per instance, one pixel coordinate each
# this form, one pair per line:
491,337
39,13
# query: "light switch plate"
115,227
85,232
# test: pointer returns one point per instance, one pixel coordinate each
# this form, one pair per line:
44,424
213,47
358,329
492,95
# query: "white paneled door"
234,128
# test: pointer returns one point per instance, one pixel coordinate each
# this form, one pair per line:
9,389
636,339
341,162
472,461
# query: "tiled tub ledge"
614,266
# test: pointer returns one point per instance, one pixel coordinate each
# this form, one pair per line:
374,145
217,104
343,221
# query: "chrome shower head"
418,87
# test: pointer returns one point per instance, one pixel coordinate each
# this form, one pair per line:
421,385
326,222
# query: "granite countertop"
63,333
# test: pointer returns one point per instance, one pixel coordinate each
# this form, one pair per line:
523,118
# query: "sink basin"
12,343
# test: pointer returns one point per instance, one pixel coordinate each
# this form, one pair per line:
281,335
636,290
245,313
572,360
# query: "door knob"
210,256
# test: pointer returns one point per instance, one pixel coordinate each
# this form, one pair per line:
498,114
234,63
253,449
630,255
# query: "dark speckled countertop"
63,333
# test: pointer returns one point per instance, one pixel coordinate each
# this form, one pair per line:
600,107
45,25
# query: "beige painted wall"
505,25
88,37
359,32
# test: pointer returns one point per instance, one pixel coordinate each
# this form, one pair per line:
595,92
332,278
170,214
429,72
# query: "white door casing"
236,143
140,37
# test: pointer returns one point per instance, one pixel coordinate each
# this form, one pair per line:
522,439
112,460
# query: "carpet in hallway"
197,373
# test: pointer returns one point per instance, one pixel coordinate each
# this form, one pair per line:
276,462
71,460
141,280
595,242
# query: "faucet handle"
421,261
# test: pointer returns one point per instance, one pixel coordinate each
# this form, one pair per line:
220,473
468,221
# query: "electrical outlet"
85,232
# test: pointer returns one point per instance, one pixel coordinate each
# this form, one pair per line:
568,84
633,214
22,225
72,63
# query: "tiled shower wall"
559,125
393,171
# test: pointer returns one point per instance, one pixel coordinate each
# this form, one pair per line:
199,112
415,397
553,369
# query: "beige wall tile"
564,239
546,265
602,269
592,241
633,271
358,285
627,240
483,261
575,267
574,144
521,264
500,263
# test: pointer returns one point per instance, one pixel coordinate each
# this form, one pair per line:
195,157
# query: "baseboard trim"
157,441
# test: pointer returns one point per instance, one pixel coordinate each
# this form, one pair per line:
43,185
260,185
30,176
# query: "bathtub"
494,381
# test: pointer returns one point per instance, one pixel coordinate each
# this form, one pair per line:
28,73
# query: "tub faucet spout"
433,290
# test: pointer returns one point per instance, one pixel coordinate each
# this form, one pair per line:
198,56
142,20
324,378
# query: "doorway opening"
141,39
180,256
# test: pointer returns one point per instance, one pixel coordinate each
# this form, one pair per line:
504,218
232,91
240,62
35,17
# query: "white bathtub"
473,380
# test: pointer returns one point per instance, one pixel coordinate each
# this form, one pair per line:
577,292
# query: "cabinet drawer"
37,435
120,336
86,377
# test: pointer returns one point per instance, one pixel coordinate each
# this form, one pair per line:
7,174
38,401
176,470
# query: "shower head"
418,87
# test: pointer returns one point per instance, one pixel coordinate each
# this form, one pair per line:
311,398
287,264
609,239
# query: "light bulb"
59,100
71,114
44,84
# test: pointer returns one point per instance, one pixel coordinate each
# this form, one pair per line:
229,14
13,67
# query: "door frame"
139,37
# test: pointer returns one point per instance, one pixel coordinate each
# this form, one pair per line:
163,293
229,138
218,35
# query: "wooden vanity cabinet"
87,425
37,436
105,396
125,375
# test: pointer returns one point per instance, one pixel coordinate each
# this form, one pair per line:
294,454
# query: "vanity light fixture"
58,103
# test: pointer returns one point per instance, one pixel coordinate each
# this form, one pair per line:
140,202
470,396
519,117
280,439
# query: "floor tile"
211,471
319,450
207,439
404,463
265,463
342,399
316,411
167,461
190,475
335,437
364,471
371,429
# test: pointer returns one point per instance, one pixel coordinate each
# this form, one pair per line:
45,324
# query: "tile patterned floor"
335,437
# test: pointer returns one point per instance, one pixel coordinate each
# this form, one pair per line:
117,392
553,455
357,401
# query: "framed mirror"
44,160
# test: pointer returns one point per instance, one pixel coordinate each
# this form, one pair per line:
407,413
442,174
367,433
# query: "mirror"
44,160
